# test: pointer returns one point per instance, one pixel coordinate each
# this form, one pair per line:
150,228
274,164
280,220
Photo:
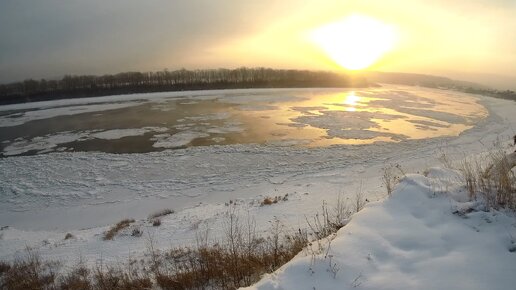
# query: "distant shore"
84,86
179,80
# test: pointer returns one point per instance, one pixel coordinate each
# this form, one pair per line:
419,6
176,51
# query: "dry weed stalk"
391,176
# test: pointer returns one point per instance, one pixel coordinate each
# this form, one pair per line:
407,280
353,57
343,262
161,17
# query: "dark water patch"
131,144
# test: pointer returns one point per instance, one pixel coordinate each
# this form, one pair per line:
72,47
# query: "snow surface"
42,143
45,143
413,240
18,119
45,196
11,115
120,133
177,140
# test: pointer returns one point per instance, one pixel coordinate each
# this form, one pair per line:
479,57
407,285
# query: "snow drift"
425,236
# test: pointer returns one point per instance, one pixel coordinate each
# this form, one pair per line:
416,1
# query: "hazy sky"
465,39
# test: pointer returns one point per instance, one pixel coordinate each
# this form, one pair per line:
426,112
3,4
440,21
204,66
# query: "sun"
356,42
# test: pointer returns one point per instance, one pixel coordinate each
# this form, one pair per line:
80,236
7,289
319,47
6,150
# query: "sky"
463,39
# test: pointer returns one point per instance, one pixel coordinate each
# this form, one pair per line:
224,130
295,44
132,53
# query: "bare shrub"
359,200
341,210
137,232
155,258
322,224
391,176
326,222
109,235
445,159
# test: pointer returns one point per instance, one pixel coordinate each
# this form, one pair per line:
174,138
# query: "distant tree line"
72,86
507,94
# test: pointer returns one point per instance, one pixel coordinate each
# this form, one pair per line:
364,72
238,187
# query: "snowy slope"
412,240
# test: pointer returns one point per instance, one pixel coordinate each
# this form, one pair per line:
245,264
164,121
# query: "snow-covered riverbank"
425,236
46,196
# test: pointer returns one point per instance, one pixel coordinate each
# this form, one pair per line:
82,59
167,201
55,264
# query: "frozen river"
301,117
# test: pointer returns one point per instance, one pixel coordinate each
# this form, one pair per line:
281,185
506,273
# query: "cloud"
94,36
54,37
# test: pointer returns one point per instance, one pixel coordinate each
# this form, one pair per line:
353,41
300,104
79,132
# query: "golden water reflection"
389,114
351,100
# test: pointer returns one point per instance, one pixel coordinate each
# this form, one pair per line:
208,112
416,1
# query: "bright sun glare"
355,42
351,100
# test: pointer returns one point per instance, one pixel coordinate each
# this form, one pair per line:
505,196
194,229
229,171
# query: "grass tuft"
29,272
109,235
161,213
156,222
273,200
490,178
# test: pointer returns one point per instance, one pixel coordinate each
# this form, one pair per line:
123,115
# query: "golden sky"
459,39
471,40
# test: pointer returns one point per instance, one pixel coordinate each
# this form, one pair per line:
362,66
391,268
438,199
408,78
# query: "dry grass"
109,235
273,200
239,259
28,273
119,278
32,273
156,222
77,279
329,220
160,213
267,201
490,178
472,172
4,267
235,262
